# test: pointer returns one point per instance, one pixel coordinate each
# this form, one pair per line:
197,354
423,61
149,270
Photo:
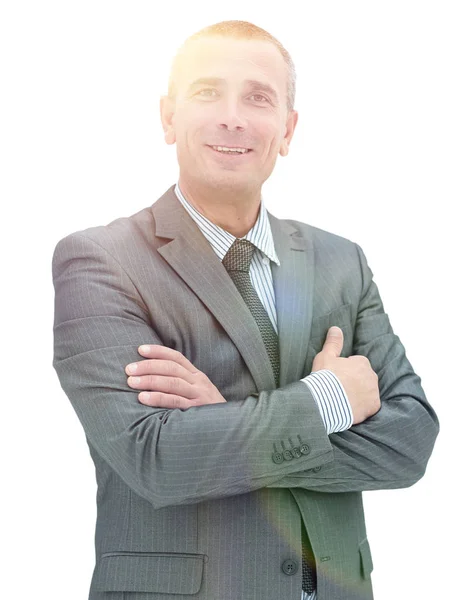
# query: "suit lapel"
191,256
294,295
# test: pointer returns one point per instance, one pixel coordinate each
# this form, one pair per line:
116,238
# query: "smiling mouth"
231,151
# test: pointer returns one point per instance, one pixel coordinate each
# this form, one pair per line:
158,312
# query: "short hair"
237,30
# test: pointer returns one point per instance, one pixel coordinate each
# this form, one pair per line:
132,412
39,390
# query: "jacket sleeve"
390,449
169,457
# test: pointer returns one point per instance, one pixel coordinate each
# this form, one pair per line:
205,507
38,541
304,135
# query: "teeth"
225,149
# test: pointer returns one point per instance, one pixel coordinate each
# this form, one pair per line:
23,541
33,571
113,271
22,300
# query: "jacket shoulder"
116,237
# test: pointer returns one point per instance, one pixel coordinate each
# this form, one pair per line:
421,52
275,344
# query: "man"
237,378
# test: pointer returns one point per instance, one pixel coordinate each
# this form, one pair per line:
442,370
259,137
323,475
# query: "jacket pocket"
366,561
341,316
163,572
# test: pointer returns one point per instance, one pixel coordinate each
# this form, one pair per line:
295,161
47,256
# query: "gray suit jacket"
196,502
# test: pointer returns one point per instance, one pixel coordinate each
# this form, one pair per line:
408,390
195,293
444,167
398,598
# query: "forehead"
232,60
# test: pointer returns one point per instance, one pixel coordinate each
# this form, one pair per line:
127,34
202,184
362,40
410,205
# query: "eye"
200,93
259,98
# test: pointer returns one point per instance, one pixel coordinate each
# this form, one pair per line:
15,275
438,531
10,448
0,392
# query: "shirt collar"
221,240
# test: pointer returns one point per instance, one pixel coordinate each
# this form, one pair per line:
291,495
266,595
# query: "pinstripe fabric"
326,388
332,400
191,503
260,235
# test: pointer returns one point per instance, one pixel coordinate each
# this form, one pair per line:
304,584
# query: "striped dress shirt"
326,388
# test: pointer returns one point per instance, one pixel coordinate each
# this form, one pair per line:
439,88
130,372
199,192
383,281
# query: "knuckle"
144,366
170,368
360,359
157,400
173,384
176,353
151,381
200,377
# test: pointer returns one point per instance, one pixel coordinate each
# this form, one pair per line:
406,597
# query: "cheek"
273,141
190,127
269,132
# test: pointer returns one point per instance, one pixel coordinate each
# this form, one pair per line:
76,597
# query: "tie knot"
239,255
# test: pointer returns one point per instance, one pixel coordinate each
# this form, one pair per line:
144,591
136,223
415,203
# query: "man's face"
230,93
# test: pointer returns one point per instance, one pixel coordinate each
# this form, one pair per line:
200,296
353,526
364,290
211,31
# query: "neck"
235,211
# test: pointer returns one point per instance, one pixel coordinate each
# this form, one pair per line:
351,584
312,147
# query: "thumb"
333,344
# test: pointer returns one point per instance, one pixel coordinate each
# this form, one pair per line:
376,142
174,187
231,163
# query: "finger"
159,351
359,358
160,400
160,383
155,366
333,344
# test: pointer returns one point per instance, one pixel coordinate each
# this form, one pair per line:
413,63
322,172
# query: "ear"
292,119
167,109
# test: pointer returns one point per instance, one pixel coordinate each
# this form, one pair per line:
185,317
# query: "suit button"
287,455
289,567
296,452
277,457
317,469
304,449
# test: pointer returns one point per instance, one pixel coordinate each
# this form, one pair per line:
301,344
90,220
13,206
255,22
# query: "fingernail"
132,368
144,396
144,348
134,379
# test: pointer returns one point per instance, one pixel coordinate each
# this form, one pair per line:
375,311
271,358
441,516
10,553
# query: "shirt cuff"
332,400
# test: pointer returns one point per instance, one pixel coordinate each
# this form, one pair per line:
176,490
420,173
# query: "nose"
230,116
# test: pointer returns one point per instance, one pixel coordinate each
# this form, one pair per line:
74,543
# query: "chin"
233,183
231,178
225,180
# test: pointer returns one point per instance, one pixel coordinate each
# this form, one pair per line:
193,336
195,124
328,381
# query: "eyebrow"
253,83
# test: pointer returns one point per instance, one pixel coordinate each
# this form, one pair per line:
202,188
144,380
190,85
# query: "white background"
375,158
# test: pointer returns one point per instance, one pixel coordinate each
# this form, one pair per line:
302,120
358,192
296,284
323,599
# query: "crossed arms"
174,457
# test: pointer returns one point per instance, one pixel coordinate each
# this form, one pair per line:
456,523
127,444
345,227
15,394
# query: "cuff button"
277,457
296,452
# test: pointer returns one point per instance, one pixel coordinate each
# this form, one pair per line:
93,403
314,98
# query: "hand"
175,382
357,377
